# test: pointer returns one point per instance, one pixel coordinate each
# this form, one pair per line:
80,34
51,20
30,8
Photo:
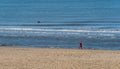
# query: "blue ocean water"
64,23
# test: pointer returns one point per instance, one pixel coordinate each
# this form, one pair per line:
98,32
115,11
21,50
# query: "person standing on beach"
81,45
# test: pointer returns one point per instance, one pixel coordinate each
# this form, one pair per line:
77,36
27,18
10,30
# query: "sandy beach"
44,58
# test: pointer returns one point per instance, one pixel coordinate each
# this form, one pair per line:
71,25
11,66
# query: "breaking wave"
60,30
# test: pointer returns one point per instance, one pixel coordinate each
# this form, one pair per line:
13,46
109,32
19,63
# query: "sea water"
63,23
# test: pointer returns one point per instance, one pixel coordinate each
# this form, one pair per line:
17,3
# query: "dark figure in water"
81,45
38,21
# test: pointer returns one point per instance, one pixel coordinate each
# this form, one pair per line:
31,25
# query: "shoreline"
60,48
57,58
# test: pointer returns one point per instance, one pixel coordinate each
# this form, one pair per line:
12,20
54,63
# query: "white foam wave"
58,30
16,29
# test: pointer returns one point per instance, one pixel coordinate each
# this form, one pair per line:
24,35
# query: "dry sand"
43,58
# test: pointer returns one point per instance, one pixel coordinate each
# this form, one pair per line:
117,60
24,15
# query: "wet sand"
45,58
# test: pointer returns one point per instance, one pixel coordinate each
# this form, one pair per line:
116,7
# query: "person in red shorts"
81,45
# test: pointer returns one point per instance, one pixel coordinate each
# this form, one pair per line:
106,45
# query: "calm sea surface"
63,23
